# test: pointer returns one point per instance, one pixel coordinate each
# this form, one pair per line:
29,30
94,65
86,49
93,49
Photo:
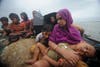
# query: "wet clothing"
28,28
27,24
15,28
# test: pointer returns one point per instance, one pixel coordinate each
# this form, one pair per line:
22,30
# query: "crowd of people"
59,44
16,29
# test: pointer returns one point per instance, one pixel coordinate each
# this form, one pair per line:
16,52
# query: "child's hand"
45,36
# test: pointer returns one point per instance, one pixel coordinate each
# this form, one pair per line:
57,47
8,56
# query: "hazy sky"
80,9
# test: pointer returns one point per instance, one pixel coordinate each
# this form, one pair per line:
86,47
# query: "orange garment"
28,27
27,24
22,24
15,28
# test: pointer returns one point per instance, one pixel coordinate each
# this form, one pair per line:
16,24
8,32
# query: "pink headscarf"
71,35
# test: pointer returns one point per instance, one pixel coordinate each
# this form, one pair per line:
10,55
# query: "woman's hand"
70,56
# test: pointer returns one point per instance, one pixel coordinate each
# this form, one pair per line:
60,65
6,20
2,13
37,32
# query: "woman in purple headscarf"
65,42
65,33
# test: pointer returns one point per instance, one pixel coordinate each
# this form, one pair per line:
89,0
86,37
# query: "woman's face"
52,19
46,34
15,20
60,20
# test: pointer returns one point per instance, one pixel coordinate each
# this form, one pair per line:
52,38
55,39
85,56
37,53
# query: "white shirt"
39,37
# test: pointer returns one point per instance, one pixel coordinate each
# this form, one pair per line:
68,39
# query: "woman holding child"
65,34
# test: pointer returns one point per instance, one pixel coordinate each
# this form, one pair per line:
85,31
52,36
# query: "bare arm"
42,48
35,55
51,61
69,55
31,26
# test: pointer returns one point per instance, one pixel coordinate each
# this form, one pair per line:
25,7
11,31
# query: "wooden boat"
15,54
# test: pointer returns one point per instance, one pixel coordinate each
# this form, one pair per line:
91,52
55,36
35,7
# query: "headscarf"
71,35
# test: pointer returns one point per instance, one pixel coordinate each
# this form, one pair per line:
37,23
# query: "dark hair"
47,28
4,19
47,18
25,16
14,15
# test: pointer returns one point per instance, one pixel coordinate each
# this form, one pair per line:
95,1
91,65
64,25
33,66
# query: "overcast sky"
80,9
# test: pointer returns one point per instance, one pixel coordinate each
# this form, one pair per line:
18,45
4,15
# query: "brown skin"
62,22
41,63
69,55
52,19
78,48
84,49
72,57
35,56
40,48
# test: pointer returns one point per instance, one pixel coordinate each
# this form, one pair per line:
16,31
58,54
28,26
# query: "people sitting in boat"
64,32
15,27
27,24
51,19
4,21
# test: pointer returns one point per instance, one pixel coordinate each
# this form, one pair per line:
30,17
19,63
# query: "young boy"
40,48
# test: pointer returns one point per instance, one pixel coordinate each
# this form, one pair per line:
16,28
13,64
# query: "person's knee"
41,63
35,65
38,44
